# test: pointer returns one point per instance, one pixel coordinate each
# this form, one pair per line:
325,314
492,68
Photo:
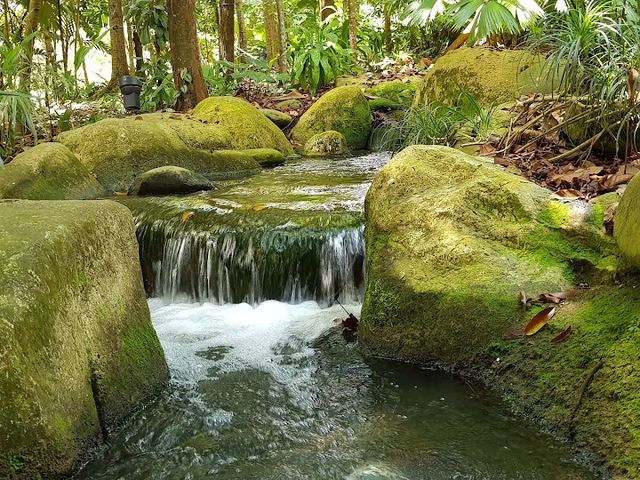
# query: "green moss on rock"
49,171
398,91
266,157
281,119
627,222
492,76
326,144
78,351
118,150
343,109
246,126
451,241
169,180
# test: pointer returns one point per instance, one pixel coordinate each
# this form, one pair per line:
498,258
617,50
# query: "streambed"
264,386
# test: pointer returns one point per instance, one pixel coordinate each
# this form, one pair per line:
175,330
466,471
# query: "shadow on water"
274,392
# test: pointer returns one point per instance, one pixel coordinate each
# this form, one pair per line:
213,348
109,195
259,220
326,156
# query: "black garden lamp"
130,87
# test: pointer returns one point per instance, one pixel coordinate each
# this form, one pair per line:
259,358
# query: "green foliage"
319,56
16,114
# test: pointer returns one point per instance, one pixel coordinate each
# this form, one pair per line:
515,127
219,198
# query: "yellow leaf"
186,216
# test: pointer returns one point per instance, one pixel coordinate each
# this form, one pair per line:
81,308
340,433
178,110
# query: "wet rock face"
169,180
78,351
49,171
326,144
451,241
343,109
627,223
491,76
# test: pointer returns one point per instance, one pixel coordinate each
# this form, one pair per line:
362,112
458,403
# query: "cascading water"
251,267
267,389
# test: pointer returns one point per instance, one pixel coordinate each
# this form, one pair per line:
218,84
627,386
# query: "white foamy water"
273,337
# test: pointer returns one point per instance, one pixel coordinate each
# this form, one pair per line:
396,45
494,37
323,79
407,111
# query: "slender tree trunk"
64,44
242,29
185,53
388,39
272,33
137,48
7,28
353,7
327,7
227,24
31,26
130,48
282,27
49,49
119,64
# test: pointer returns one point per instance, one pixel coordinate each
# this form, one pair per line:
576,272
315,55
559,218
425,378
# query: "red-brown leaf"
562,336
539,321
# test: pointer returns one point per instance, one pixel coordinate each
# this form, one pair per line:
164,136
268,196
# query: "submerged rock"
343,109
491,76
627,222
326,144
281,119
452,240
78,350
168,180
48,171
117,150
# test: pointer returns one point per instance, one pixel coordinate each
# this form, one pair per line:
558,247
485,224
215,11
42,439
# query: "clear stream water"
269,388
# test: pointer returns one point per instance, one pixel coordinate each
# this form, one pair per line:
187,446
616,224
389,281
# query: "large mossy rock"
326,144
452,240
246,126
169,180
343,109
48,171
78,351
627,222
395,91
117,150
491,76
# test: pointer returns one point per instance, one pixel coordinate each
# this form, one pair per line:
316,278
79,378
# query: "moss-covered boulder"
491,76
48,171
452,240
78,351
246,126
117,150
627,222
384,105
169,180
397,91
266,157
343,109
326,144
281,119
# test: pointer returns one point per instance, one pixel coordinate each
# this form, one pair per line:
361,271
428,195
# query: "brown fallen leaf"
539,321
569,193
186,216
562,336
549,298
566,295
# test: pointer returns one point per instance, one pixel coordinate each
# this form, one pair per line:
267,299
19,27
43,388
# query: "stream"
264,386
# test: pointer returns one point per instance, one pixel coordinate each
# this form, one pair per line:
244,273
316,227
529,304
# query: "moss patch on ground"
77,349
48,171
492,76
343,109
545,380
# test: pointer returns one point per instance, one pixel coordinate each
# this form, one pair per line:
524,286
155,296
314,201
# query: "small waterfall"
234,266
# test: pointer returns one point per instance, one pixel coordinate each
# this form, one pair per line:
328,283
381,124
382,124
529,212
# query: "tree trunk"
130,48
388,39
64,44
7,28
282,27
185,53
272,25
31,26
227,40
119,64
327,7
242,29
137,48
353,7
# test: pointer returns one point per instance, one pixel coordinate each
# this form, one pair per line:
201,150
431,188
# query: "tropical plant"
17,115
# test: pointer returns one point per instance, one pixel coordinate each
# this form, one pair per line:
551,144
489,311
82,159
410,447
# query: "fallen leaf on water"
539,321
259,208
561,337
186,216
